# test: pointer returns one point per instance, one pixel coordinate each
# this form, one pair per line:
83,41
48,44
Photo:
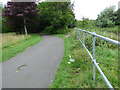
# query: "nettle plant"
18,14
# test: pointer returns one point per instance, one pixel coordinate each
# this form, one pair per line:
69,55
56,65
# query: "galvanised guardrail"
93,57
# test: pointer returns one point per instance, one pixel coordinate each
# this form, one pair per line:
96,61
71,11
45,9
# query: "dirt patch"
67,35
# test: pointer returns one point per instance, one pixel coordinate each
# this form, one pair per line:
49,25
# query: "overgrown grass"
79,74
12,44
111,32
9,39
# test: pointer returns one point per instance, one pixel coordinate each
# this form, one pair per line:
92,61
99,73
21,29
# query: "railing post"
74,29
79,34
93,56
83,37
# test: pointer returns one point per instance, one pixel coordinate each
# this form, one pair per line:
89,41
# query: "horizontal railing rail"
93,57
102,37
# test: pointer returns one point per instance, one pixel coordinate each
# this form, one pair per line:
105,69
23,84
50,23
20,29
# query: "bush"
55,17
63,30
85,23
49,29
107,17
5,28
110,23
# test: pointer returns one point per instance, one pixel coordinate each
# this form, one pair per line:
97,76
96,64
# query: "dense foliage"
117,20
23,17
5,28
54,16
20,15
85,23
108,17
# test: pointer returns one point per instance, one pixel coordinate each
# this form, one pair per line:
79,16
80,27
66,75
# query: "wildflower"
72,60
69,56
69,62
78,68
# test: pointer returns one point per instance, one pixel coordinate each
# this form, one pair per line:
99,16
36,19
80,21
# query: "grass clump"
9,39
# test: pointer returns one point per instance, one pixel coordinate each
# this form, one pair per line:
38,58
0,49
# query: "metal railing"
93,57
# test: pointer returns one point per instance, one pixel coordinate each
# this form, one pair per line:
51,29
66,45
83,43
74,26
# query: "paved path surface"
36,66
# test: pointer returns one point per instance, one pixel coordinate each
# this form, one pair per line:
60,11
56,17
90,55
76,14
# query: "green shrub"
110,23
55,17
107,17
49,29
5,28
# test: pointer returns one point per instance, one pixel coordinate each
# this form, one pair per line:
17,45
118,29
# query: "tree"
54,16
0,16
19,14
117,14
107,17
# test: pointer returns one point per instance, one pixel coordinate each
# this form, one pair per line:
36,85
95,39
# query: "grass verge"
60,35
79,74
16,47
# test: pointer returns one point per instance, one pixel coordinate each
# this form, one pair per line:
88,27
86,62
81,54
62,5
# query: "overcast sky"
91,8
88,8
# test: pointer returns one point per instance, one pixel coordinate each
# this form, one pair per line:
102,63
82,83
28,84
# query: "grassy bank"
79,74
12,44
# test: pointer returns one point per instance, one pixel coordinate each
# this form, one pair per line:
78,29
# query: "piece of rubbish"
17,71
19,68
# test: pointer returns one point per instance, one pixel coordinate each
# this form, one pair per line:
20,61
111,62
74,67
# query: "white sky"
91,8
88,8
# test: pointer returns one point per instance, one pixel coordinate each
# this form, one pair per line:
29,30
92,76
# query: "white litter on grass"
69,62
69,56
72,60
78,68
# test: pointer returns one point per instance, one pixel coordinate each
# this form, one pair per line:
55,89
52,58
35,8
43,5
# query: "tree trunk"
25,28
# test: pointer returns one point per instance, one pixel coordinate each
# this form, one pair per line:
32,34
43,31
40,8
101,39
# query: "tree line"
51,17
108,17
30,17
